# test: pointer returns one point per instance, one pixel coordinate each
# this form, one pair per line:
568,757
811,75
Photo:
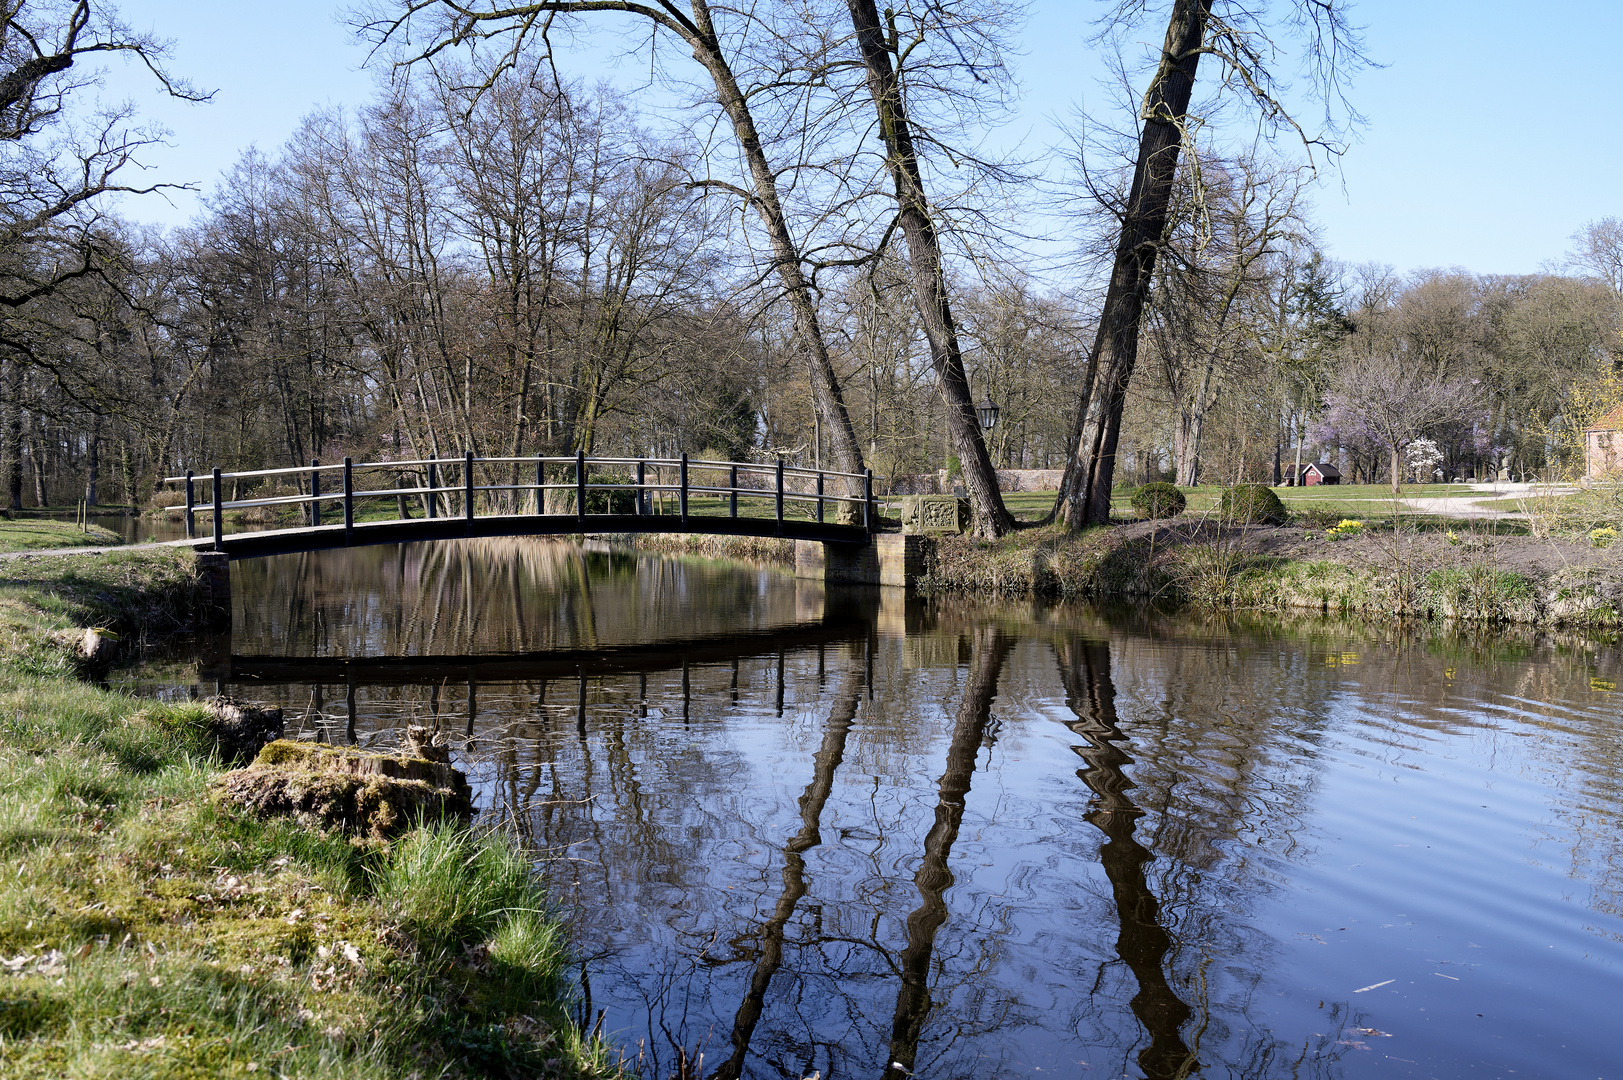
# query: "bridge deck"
323,537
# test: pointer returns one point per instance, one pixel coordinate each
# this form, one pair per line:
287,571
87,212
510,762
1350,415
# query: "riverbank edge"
1476,577
1198,564
147,927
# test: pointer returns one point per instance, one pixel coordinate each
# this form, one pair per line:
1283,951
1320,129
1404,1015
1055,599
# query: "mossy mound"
1159,500
1251,504
364,796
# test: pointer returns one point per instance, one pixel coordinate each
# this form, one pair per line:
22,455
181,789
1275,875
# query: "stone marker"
934,514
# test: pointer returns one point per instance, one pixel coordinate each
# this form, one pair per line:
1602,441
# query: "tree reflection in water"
934,877
827,759
1143,942
764,829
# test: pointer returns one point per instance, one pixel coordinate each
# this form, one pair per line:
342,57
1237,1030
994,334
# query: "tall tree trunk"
36,457
1166,103
13,433
93,462
992,518
825,384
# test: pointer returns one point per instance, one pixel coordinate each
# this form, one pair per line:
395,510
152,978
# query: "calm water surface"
831,833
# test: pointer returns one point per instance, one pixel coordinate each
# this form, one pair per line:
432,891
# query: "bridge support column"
886,559
214,579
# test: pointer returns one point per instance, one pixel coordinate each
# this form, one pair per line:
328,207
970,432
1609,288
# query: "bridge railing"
557,486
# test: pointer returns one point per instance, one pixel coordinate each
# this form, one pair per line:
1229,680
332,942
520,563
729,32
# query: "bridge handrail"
412,463
643,486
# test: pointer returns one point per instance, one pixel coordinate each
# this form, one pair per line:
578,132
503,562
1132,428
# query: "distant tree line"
489,257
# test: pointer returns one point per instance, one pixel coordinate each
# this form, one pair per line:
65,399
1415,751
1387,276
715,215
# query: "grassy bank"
37,534
147,929
1380,570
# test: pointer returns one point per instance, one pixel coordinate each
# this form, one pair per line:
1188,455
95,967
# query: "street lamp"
988,414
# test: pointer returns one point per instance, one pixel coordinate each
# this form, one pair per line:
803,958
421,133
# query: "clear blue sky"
1491,132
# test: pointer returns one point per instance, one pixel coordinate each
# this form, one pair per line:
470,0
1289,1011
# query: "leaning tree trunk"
786,259
992,518
1087,493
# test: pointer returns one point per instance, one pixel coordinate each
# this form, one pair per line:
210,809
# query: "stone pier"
888,559
214,575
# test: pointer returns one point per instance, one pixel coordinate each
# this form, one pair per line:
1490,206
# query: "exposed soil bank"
1480,576
150,927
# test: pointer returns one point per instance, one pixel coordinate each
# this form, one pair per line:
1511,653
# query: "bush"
1251,504
1159,500
614,501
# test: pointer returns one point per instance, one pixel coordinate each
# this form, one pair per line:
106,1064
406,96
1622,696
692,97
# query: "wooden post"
580,489
780,496
315,492
219,519
642,493
819,498
433,488
682,490
870,512
732,496
540,486
191,500
467,484
349,501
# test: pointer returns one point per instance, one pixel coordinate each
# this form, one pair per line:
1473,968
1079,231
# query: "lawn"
38,534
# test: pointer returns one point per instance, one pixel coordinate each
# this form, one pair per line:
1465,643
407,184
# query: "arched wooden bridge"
523,496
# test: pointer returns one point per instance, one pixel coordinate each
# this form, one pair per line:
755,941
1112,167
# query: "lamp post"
987,412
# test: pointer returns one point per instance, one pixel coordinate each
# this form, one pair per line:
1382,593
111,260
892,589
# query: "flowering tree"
1382,400
1422,456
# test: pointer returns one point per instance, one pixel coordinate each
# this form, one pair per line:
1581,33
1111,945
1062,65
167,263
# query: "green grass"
147,930
37,534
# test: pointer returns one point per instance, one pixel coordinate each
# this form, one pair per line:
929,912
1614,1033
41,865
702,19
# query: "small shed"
1603,445
1320,472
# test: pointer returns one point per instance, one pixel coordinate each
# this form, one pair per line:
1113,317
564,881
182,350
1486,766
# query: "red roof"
1612,421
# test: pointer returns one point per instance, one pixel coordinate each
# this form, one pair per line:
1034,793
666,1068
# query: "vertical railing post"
349,501
732,496
219,518
315,492
467,484
819,498
191,501
870,512
780,496
642,492
433,487
580,489
540,485
683,491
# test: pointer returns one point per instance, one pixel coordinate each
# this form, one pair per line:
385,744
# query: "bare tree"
1597,249
882,58
1232,34
451,23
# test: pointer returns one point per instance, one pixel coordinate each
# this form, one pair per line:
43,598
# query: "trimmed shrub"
1251,504
614,501
1159,500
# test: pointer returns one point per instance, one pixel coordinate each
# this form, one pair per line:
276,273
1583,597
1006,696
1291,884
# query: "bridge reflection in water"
799,830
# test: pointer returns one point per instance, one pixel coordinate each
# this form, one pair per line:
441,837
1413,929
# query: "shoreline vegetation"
1335,552
149,927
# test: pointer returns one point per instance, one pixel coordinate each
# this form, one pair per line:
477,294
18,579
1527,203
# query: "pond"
803,832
